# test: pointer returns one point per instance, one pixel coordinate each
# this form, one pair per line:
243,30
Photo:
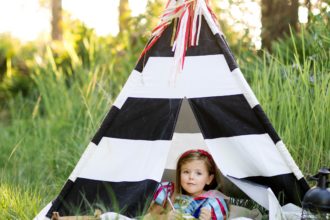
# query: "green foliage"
312,42
45,131
14,67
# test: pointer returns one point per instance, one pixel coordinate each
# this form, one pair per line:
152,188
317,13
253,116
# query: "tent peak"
187,18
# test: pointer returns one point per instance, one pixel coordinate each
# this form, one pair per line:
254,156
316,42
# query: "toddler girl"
195,196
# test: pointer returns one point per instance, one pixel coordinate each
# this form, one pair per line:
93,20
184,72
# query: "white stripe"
134,80
247,91
83,160
202,76
182,142
289,160
117,160
247,155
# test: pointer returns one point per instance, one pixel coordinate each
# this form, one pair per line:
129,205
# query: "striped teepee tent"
185,92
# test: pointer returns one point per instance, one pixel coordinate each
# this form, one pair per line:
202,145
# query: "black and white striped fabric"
210,106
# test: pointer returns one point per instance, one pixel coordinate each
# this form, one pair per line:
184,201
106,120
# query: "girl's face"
194,176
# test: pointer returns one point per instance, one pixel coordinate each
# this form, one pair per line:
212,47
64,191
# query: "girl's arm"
160,207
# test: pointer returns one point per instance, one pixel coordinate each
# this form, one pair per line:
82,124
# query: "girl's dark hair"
209,162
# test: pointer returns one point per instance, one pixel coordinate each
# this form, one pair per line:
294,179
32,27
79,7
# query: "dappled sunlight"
28,20
24,19
243,17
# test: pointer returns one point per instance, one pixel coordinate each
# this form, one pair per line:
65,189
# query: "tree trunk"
277,17
57,20
124,15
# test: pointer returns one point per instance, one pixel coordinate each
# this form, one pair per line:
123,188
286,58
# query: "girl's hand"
205,214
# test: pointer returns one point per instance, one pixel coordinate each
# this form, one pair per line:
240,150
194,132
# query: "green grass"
19,202
47,132
296,99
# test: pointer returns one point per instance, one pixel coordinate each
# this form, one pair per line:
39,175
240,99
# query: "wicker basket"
56,216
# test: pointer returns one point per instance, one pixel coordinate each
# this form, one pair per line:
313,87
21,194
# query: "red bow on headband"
200,151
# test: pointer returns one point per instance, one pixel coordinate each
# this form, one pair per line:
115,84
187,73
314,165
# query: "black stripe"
56,204
266,123
127,198
226,51
105,124
208,45
286,187
225,116
143,119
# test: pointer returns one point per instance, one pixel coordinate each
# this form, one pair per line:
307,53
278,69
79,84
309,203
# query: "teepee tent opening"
185,92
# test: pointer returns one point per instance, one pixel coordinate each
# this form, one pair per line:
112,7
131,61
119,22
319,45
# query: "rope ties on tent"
187,18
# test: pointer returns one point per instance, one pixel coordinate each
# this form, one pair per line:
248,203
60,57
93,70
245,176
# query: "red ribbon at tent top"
187,15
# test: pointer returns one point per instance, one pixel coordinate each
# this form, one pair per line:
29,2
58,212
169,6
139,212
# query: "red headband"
200,151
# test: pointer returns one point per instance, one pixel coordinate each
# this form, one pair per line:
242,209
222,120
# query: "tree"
277,16
124,15
57,28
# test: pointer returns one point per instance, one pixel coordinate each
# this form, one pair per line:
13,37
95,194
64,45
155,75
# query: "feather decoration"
187,18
